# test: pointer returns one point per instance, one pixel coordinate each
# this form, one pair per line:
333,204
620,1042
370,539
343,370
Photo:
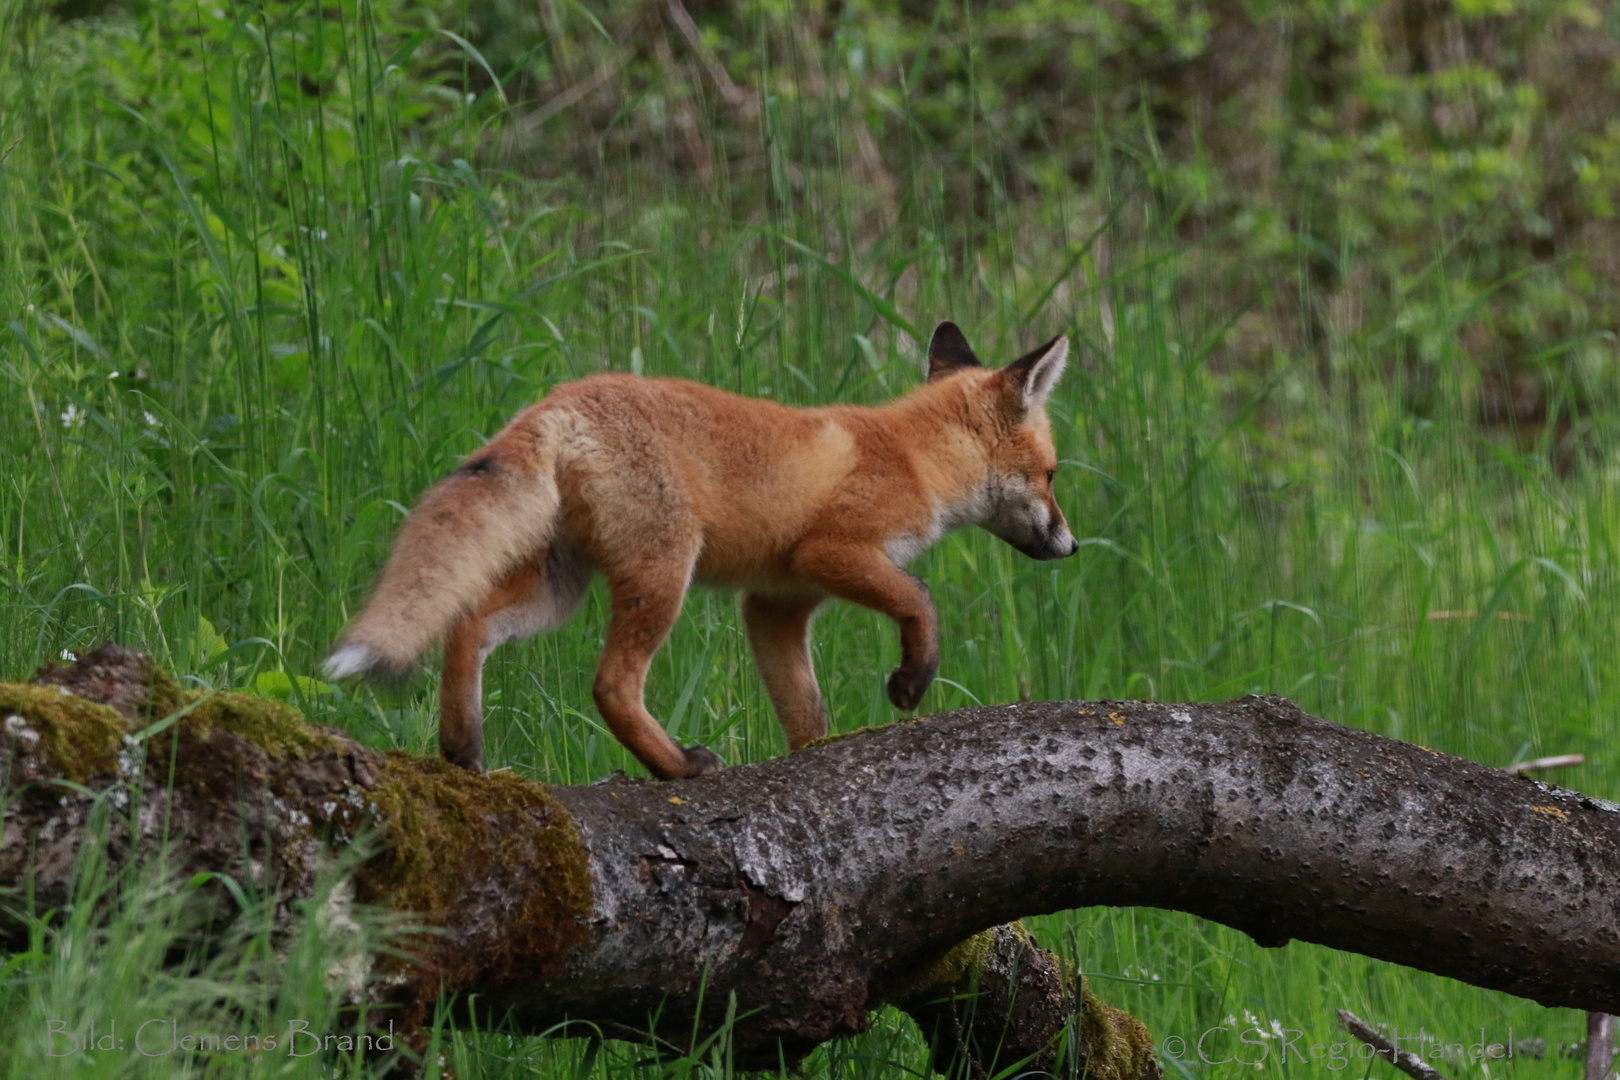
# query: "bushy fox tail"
469,531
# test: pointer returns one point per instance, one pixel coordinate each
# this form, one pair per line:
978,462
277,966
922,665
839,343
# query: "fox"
660,483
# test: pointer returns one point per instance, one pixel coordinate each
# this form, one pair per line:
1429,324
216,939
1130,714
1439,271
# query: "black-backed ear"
1033,375
948,351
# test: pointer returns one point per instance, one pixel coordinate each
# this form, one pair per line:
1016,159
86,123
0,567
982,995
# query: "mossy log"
877,868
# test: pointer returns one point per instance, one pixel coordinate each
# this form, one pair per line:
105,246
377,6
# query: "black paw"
470,758
701,761
908,685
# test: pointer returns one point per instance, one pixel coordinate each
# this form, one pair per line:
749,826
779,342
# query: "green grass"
245,326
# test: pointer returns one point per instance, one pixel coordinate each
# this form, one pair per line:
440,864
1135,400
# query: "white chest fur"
946,516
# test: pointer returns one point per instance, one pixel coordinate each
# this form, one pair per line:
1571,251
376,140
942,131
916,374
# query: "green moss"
828,740
446,827
274,726
164,696
1120,1046
80,737
954,971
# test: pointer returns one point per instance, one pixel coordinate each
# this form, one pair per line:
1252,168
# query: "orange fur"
656,483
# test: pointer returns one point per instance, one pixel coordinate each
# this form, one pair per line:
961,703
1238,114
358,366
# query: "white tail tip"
349,660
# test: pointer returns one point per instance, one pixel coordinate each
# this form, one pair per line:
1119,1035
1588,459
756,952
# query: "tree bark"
814,888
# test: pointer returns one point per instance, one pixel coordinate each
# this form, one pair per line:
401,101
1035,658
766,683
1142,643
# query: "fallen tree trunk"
817,887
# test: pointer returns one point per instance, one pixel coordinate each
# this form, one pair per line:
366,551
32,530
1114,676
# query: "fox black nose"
1074,546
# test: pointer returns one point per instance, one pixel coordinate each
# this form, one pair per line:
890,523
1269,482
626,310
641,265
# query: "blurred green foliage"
1417,178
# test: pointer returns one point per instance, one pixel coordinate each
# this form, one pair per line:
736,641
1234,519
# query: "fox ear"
948,351
1032,376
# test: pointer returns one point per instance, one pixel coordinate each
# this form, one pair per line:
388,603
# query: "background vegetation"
1341,426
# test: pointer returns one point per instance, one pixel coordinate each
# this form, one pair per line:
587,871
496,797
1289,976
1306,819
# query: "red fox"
660,482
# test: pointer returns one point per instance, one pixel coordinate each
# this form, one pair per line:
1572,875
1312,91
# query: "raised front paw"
908,685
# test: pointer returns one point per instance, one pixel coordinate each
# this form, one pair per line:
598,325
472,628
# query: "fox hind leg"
779,633
461,694
646,601
537,596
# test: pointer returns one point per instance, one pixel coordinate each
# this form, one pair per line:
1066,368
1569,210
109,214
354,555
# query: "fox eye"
1049,474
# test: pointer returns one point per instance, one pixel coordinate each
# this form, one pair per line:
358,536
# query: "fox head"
1009,423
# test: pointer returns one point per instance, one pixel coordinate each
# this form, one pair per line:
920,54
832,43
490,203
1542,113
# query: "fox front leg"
779,633
867,576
